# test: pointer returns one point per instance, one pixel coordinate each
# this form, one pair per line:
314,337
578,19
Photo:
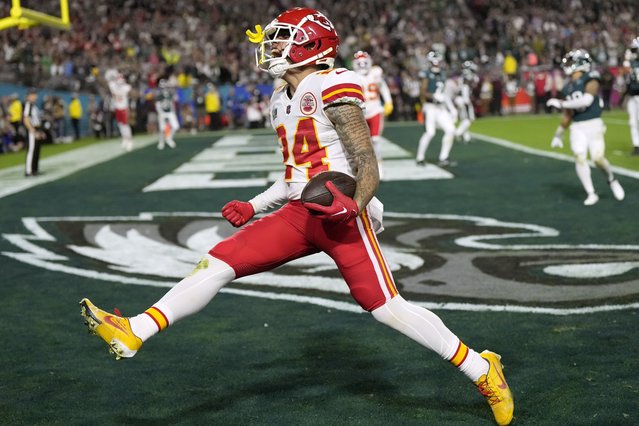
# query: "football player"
378,100
167,118
318,118
582,108
631,69
120,89
436,96
463,100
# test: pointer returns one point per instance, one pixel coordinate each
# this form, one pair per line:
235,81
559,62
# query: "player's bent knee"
391,312
228,252
581,159
599,159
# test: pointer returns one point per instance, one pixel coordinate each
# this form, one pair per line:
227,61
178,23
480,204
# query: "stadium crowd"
200,43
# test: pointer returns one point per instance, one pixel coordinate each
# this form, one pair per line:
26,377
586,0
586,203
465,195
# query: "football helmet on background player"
435,60
308,37
111,74
576,60
469,70
362,62
634,47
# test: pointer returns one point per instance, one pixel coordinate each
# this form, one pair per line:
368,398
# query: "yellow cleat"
114,330
494,387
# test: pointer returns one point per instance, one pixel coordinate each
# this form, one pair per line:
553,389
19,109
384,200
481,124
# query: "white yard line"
66,163
541,153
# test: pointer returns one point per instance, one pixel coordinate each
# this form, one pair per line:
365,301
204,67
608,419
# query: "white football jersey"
375,91
120,93
307,138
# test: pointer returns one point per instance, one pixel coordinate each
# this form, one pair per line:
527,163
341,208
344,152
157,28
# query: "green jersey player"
582,108
167,118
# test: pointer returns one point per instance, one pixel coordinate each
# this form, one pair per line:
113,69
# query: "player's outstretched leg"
494,387
427,329
113,329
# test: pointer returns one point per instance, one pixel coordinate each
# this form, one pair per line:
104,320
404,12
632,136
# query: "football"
315,190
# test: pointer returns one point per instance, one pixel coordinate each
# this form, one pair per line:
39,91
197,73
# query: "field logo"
439,261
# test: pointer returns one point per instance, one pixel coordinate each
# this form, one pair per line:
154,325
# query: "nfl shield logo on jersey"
308,104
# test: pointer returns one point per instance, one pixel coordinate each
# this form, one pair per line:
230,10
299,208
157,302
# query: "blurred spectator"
540,78
485,96
96,117
607,82
213,105
75,114
512,88
495,102
187,117
59,124
254,116
206,41
15,118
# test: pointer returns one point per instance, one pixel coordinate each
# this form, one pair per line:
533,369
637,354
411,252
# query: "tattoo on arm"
353,131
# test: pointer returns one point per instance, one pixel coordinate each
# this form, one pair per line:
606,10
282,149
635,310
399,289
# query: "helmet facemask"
301,43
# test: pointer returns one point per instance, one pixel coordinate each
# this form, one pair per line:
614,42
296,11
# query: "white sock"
424,141
189,296
583,173
604,165
463,127
427,329
447,145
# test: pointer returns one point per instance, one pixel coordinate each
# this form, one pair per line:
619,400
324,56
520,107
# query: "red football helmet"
362,62
309,36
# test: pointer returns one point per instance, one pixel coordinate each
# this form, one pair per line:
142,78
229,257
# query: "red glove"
238,212
342,209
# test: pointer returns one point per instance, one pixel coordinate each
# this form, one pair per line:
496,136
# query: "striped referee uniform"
31,119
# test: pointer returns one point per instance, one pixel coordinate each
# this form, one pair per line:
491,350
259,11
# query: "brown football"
315,190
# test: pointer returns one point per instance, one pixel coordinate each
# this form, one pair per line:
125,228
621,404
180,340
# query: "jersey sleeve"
342,86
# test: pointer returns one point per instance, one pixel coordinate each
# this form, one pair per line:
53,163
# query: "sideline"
66,163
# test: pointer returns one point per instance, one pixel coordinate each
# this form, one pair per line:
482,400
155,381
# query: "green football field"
500,247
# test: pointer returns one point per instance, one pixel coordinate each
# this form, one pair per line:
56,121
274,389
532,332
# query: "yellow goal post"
24,18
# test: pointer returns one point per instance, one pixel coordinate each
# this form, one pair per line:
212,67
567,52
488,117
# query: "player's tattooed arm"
352,130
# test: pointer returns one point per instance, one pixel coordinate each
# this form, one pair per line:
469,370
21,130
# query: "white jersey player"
463,100
322,149
631,68
439,111
318,118
120,89
167,118
379,102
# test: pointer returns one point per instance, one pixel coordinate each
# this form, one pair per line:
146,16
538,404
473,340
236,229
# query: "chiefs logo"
321,20
308,104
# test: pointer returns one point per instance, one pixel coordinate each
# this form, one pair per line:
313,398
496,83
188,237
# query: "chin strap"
278,67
